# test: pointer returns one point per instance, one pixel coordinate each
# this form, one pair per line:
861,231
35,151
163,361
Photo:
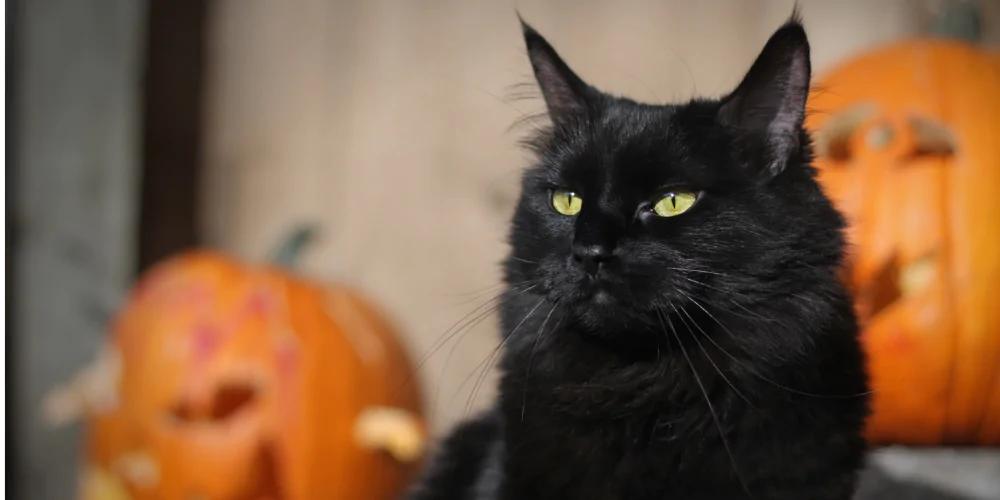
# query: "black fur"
713,355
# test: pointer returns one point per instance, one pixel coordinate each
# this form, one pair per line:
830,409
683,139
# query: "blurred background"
142,128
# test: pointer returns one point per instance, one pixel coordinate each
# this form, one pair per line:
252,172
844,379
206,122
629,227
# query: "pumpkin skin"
908,149
245,383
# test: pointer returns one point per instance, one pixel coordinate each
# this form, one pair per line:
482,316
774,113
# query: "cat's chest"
640,457
576,428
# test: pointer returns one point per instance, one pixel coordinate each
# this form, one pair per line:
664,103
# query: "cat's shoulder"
466,462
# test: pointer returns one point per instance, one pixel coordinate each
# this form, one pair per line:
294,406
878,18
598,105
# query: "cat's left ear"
769,104
566,95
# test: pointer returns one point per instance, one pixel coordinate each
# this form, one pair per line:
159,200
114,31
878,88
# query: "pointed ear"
565,94
769,104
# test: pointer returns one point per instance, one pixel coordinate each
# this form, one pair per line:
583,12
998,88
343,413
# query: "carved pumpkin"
908,148
230,382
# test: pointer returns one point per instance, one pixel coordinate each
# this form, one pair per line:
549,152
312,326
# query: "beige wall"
387,123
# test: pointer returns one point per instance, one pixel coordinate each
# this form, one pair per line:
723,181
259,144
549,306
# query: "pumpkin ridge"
991,398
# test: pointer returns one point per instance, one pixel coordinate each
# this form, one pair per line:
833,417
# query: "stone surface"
932,474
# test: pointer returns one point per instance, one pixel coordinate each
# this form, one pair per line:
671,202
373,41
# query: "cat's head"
635,210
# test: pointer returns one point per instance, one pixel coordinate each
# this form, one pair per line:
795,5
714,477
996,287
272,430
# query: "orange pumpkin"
908,148
240,382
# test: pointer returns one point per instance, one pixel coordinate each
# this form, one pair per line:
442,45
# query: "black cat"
674,325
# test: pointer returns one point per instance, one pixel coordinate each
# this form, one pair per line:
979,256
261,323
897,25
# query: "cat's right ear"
770,103
566,95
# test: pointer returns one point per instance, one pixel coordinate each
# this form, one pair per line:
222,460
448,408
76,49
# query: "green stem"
961,19
288,253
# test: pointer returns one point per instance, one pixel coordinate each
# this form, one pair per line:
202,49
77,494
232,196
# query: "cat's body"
709,353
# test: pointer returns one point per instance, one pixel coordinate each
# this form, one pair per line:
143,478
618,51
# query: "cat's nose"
592,257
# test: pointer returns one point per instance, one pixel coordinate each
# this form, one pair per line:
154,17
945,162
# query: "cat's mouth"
595,294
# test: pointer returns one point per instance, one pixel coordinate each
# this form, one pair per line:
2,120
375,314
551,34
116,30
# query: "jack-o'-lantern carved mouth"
894,281
916,276
229,399
232,402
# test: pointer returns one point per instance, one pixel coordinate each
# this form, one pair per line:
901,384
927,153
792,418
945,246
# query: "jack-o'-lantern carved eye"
833,141
836,140
930,138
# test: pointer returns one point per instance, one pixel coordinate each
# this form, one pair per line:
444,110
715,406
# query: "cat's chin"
602,314
603,299
592,301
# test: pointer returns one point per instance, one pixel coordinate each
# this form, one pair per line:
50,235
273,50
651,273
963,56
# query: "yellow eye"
566,202
674,204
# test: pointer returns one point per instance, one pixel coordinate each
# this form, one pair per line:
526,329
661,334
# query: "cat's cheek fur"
712,355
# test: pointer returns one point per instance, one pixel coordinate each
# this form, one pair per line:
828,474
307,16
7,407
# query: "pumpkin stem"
288,253
960,19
